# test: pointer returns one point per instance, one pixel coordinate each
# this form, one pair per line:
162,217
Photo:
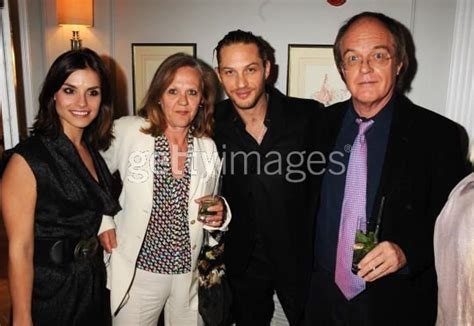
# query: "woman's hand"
108,240
216,220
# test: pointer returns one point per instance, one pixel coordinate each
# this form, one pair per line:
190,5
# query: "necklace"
257,131
255,128
261,133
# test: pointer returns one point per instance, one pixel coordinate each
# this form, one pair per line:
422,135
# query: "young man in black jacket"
263,136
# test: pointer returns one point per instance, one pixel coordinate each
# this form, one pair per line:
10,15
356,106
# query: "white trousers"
149,293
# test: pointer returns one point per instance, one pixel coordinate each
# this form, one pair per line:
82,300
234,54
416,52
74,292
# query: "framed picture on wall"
312,73
146,58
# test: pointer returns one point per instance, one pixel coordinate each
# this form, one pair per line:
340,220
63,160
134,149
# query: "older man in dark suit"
402,163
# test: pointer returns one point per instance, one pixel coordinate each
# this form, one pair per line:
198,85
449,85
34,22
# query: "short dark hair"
164,75
240,36
99,132
395,28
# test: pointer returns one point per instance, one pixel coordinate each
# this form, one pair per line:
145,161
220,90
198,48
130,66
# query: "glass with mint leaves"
366,237
365,241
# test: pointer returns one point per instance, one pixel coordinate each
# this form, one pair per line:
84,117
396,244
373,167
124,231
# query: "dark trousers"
394,300
252,303
327,305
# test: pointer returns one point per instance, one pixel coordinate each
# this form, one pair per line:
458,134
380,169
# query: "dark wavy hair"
99,132
152,111
399,34
240,36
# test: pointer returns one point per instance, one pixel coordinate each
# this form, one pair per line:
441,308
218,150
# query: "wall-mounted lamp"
75,12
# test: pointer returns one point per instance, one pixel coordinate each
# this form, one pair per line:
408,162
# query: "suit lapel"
333,123
197,168
149,144
330,125
205,169
228,125
274,121
396,154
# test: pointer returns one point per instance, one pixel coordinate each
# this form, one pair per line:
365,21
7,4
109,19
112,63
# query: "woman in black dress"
56,188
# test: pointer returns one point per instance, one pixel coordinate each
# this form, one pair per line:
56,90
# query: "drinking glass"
365,241
205,203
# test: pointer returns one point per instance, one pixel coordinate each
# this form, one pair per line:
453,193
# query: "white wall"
118,23
433,34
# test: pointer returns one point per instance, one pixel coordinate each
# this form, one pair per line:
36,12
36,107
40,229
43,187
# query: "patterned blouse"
167,245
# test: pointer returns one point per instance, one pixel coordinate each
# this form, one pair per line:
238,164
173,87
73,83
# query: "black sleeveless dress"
70,204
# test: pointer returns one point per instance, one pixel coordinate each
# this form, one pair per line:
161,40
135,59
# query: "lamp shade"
75,12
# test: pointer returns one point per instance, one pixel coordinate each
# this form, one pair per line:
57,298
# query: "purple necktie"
353,212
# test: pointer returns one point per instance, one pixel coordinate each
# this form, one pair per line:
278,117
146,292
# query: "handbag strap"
205,237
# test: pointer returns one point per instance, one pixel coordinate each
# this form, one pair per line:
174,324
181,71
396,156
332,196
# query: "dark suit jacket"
280,207
426,157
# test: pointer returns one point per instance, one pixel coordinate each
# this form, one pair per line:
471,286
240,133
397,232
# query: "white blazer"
132,154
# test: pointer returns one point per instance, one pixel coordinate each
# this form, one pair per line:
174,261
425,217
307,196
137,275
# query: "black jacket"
269,197
426,157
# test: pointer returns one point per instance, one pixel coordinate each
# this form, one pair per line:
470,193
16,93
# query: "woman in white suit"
167,163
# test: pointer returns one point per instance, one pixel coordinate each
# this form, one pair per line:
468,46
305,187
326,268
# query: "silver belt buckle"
86,248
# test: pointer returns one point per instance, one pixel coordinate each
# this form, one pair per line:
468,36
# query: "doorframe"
7,85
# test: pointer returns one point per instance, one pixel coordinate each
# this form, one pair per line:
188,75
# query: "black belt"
61,251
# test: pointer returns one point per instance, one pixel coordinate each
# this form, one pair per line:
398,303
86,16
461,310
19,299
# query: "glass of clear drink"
205,203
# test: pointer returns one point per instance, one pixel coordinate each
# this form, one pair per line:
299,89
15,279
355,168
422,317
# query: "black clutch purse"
214,293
